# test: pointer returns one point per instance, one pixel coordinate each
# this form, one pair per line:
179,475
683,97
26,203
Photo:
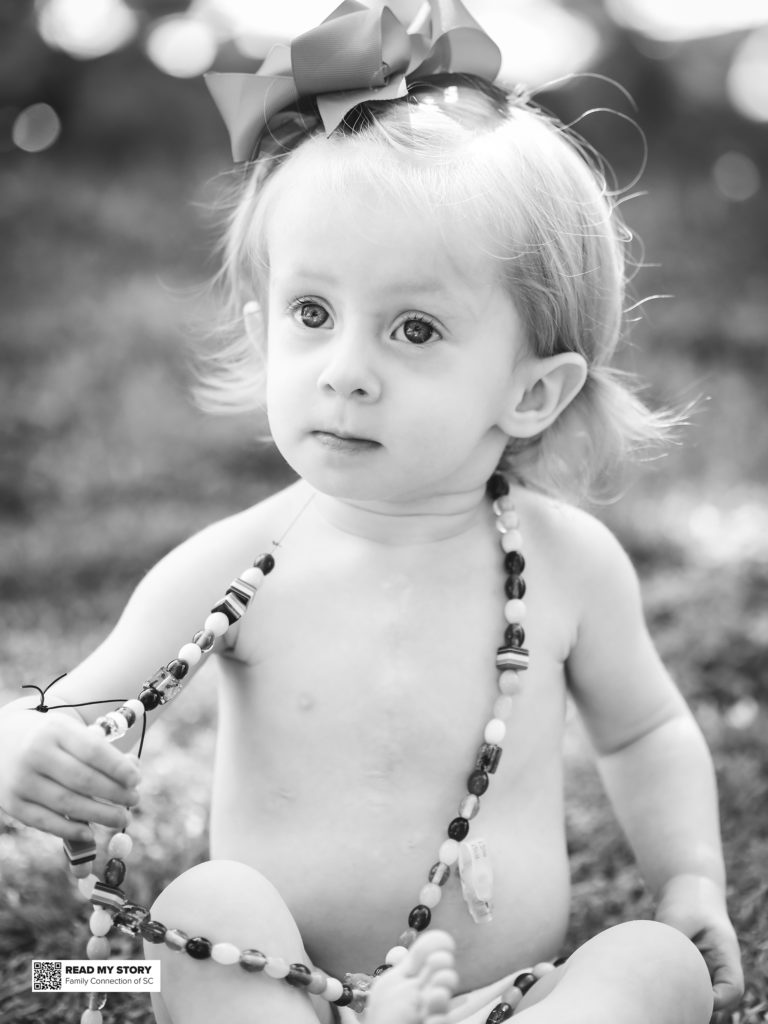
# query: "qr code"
46,976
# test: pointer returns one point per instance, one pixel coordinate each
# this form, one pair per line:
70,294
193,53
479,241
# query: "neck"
429,520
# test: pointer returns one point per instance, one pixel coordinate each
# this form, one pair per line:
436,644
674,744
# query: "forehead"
365,203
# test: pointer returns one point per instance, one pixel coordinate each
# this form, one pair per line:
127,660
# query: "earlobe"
540,390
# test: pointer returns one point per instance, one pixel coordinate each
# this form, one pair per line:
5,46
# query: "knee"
666,960
226,901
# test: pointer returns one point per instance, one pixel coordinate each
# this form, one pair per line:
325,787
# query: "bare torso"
350,716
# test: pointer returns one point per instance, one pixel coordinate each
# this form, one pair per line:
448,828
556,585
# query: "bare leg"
419,989
229,902
641,972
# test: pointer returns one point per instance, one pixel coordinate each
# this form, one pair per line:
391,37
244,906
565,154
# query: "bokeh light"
86,30
677,20
747,81
36,128
181,45
736,176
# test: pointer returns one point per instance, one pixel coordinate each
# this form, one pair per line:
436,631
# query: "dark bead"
477,783
298,975
114,872
514,562
458,829
499,1014
233,608
346,997
149,699
439,873
560,961
525,981
177,668
419,917
199,948
252,960
514,635
130,917
497,486
514,587
382,969
266,563
128,715
488,758
152,931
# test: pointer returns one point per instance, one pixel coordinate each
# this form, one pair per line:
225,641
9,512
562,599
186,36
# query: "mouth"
344,442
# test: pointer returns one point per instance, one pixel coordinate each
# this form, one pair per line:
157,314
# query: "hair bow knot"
356,54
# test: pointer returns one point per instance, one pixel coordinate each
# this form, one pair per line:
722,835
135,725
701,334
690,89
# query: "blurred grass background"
105,464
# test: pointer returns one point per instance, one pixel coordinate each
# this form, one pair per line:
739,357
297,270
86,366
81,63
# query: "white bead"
511,541
136,707
448,852
513,996
430,895
85,885
98,948
91,1017
100,922
510,683
120,845
503,707
395,955
254,576
276,967
506,503
225,953
469,806
190,653
333,989
507,521
495,731
218,624
514,610
542,968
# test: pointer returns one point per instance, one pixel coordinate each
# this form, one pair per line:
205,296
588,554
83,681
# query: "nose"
349,369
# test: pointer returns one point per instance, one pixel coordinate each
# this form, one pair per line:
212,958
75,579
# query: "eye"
310,313
418,330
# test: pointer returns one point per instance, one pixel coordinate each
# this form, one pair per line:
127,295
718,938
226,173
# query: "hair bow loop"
355,54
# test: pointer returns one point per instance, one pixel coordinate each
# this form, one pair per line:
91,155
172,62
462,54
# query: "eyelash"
296,306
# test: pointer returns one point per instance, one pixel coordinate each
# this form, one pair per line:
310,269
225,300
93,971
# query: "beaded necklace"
111,907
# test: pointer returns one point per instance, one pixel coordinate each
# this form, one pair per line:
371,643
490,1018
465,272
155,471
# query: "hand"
695,905
56,773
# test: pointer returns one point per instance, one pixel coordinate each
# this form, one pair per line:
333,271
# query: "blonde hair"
537,200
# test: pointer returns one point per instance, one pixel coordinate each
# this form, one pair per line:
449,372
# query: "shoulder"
198,570
584,557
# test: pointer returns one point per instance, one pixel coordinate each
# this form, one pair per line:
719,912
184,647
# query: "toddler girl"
433,291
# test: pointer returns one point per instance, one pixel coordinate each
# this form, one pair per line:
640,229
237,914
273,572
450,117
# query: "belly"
347,832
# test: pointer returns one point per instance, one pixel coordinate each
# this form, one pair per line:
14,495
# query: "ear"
253,320
540,390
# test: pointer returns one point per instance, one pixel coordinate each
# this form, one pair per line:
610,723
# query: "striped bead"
512,657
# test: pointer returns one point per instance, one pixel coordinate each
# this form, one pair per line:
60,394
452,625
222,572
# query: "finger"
47,820
91,748
77,806
70,772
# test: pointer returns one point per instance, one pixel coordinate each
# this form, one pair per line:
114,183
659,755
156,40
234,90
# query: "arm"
652,758
56,773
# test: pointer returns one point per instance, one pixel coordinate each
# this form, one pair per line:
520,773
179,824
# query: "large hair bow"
356,54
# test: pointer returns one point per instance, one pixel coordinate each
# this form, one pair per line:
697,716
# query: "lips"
339,441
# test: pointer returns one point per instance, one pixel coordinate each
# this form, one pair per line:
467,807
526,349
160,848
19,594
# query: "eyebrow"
431,285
